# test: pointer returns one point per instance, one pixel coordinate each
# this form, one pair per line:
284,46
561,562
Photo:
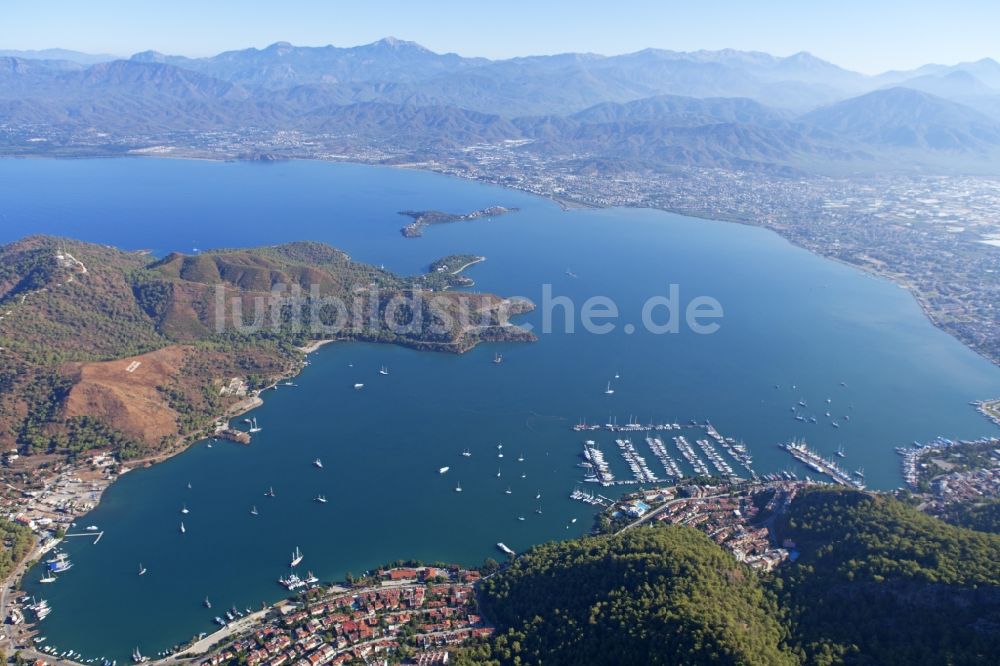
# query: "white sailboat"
184,509
508,491
498,359
609,390
142,569
49,578
296,557
254,427
318,463
520,458
458,487
253,510
321,499
384,371
467,453
498,472
183,529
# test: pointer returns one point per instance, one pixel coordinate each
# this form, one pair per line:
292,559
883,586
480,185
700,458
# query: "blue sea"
849,343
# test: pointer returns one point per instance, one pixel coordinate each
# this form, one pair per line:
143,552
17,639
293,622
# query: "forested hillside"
101,348
877,582
652,596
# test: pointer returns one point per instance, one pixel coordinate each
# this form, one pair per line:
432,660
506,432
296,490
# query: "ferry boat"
142,569
444,470
296,557
318,463
609,390
321,499
503,548
383,371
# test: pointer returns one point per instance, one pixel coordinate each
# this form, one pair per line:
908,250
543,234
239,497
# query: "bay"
790,318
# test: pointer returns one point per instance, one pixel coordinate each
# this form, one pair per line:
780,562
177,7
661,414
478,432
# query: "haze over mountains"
649,108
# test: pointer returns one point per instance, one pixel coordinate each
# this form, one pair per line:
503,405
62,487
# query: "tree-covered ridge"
862,536
879,582
666,595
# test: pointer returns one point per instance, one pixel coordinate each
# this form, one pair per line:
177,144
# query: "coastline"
256,400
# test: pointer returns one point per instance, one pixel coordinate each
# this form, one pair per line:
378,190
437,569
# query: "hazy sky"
864,35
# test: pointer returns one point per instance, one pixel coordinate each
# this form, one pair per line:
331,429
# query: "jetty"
814,461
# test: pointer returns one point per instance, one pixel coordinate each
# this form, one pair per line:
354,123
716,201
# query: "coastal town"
408,614
739,516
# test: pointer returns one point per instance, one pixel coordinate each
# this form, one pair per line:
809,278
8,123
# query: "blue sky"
865,35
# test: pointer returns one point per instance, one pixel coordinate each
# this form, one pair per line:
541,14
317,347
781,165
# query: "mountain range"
650,108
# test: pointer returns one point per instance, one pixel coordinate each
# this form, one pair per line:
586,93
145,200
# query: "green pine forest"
877,582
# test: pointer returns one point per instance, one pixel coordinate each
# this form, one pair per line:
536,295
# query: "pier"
636,463
590,498
95,535
814,461
660,451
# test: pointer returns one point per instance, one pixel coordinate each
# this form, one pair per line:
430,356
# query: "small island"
422,218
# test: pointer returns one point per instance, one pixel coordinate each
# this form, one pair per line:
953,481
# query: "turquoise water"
790,318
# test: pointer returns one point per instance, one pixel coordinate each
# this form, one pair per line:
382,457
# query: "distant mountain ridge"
648,109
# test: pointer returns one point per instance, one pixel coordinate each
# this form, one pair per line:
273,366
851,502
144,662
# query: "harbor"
722,453
401,429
